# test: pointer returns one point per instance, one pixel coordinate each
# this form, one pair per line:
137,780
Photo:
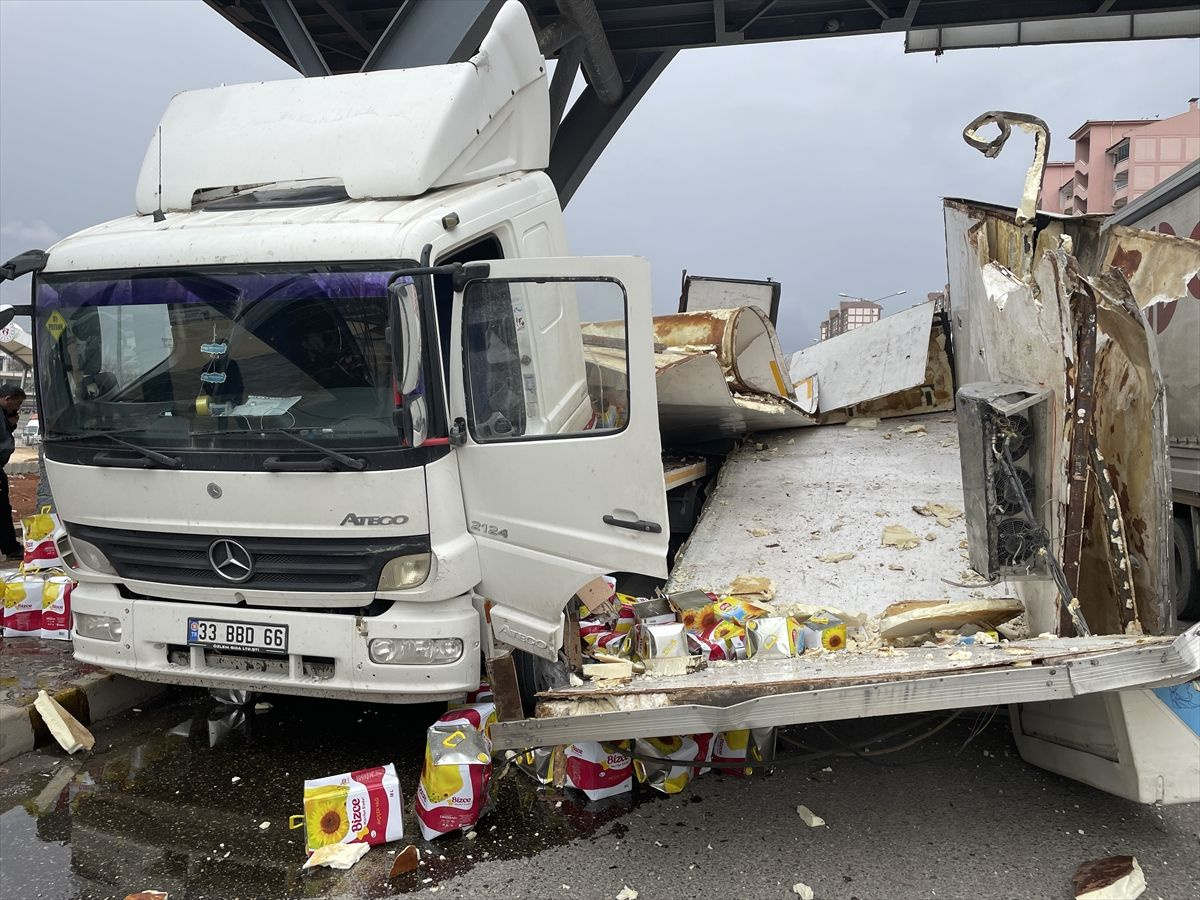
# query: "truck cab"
324,417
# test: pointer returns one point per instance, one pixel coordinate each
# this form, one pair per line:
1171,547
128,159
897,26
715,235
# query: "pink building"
1118,161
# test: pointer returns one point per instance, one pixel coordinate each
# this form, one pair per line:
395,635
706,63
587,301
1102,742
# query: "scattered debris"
264,825
835,557
930,536
862,422
943,512
575,680
896,567
235,779
262,707
760,532
407,860
336,856
1111,878
147,895
67,730
622,668
959,655
627,893
913,429
472,834
900,537
915,617
811,819
802,890
753,587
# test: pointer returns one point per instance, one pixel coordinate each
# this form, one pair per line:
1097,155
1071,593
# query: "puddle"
158,807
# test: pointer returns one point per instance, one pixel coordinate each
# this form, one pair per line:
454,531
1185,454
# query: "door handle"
639,525
458,432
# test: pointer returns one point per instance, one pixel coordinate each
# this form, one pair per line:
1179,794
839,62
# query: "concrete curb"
91,699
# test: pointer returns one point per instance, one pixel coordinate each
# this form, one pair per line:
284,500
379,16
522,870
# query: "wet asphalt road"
156,807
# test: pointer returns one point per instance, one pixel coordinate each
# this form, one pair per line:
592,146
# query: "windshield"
219,360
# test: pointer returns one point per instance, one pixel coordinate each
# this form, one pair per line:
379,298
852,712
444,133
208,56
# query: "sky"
821,164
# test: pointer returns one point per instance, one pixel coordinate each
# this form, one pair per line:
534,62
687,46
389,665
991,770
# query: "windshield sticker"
219,349
213,377
56,324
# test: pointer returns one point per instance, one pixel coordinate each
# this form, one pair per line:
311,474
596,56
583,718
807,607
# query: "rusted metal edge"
1079,461
1119,561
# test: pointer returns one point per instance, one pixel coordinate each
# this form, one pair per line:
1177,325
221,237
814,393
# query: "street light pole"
877,299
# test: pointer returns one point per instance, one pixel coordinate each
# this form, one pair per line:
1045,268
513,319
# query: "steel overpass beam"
432,33
590,125
300,44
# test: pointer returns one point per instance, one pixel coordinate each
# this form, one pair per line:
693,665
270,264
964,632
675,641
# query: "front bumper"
327,651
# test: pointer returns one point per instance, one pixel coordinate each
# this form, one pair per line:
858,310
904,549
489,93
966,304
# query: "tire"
1185,580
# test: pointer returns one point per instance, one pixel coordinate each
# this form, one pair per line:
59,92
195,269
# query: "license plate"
247,637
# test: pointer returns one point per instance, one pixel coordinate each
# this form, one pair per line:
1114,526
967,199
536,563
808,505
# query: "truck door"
554,410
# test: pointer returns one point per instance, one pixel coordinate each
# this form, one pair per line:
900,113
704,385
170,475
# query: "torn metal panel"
935,393
1164,275
882,358
1011,326
1130,429
1041,150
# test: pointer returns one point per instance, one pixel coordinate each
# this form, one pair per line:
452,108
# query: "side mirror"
23,264
403,294
7,314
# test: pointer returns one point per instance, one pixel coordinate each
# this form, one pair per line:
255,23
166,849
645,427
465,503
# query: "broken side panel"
1021,297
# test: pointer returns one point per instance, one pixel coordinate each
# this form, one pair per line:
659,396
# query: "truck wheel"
1185,581
536,674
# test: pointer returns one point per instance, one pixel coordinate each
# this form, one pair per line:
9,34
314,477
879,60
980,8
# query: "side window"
545,358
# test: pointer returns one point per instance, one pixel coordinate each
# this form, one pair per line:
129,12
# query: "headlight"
405,571
99,628
78,555
415,651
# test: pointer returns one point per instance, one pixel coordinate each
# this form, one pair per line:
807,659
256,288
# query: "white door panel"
562,434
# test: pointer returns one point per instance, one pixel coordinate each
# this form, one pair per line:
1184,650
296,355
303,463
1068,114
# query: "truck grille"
280,564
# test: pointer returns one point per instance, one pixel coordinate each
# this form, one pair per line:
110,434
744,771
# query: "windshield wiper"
275,464
149,456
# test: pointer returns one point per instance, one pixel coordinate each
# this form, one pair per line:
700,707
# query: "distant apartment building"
1117,161
850,314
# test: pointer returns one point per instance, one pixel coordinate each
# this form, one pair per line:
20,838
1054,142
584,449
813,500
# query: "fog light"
79,556
405,571
415,651
99,628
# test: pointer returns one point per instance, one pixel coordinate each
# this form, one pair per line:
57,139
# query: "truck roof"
356,229
383,134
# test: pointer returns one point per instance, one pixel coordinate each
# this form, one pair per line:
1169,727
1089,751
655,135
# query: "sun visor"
387,134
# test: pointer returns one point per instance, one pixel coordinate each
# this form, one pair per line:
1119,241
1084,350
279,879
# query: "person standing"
11,398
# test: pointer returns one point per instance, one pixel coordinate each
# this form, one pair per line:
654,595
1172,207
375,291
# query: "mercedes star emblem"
230,560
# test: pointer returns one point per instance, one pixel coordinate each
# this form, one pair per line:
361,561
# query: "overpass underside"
622,46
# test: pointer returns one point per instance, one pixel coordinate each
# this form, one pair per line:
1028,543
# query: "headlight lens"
415,651
405,571
79,555
99,628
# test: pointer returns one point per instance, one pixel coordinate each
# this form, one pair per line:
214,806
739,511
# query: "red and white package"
23,606
753,744
599,770
56,608
453,792
41,533
363,807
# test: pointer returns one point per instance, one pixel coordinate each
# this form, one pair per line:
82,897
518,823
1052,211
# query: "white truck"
336,414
